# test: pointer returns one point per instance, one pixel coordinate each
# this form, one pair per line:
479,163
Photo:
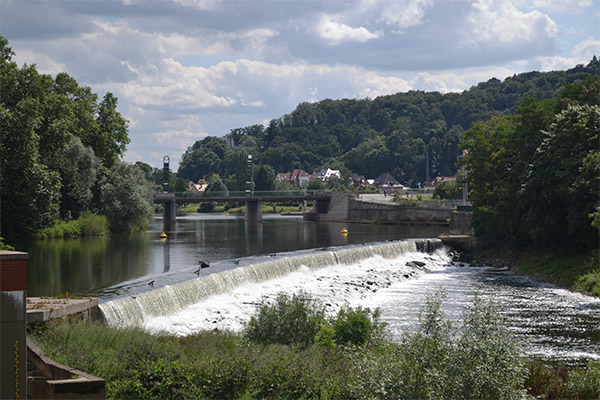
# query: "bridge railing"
254,193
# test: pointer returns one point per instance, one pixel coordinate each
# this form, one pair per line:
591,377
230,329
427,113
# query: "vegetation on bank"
290,349
578,271
534,185
88,224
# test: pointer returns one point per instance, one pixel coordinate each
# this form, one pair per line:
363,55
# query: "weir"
131,311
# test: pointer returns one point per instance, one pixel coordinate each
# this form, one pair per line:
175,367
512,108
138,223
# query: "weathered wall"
389,213
51,380
13,350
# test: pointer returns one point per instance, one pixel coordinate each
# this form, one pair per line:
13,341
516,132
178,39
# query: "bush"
292,320
479,359
356,326
93,224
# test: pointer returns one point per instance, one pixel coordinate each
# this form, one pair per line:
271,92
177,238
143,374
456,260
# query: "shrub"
289,320
356,326
93,224
478,359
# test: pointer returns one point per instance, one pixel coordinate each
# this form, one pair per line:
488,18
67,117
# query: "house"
388,182
282,177
325,174
195,187
297,177
359,180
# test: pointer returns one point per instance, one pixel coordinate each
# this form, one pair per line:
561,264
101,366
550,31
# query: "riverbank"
576,271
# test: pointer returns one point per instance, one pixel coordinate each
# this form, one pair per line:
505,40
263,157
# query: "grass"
88,224
577,272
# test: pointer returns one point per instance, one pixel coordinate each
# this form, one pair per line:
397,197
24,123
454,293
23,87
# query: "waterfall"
130,311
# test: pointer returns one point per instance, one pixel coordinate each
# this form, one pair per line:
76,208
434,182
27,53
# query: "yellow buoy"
344,231
163,235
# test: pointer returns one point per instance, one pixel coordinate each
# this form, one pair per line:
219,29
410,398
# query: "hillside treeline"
399,133
60,154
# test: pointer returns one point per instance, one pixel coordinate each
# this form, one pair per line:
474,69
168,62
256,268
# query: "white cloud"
570,6
336,32
581,54
501,21
404,13
44,64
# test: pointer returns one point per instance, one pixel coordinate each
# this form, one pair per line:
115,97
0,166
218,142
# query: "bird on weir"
151,283
237,262
204,264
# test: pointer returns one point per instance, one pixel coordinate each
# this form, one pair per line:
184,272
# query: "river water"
555,324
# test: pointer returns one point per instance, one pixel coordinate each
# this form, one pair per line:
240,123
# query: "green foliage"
289,320
127,198
448,190
356,326
4,246
88,224
78,167
549,382
56,139
534,177
589,283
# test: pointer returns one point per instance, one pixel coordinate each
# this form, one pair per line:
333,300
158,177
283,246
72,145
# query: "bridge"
252,199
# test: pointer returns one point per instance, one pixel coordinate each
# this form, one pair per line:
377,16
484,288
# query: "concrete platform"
43,309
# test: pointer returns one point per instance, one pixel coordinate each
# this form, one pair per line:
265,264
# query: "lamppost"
166,174
249,176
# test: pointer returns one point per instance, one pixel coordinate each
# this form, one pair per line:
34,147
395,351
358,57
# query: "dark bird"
273,255
204,264
151,283
237,262
197,272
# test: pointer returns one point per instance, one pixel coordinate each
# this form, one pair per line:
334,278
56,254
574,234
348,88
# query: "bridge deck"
241,196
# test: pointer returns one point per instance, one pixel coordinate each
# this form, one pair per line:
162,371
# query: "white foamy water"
334,286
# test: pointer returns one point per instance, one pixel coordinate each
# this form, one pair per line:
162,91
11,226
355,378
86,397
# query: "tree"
564,180
78,170
264,178
217,187
111,140
448,190
127,198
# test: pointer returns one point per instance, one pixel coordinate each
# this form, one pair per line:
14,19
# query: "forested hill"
395,133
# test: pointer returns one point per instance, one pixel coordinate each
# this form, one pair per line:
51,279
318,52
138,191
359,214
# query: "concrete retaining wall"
395,214
51,380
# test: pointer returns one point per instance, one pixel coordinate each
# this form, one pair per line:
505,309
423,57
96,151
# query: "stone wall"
360,211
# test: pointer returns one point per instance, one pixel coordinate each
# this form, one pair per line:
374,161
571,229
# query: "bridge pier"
253,211
169,210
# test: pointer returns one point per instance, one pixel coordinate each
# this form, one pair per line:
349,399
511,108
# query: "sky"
186,69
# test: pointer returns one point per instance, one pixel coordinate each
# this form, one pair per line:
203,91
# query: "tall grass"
88,224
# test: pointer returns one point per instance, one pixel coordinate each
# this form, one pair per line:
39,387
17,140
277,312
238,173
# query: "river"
555,324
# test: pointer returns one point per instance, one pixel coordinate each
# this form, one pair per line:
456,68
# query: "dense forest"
60,154
535,175
400,133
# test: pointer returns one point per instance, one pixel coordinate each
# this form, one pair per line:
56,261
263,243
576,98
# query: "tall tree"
127,198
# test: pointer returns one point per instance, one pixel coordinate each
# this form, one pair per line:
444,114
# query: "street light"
249,177
165,174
